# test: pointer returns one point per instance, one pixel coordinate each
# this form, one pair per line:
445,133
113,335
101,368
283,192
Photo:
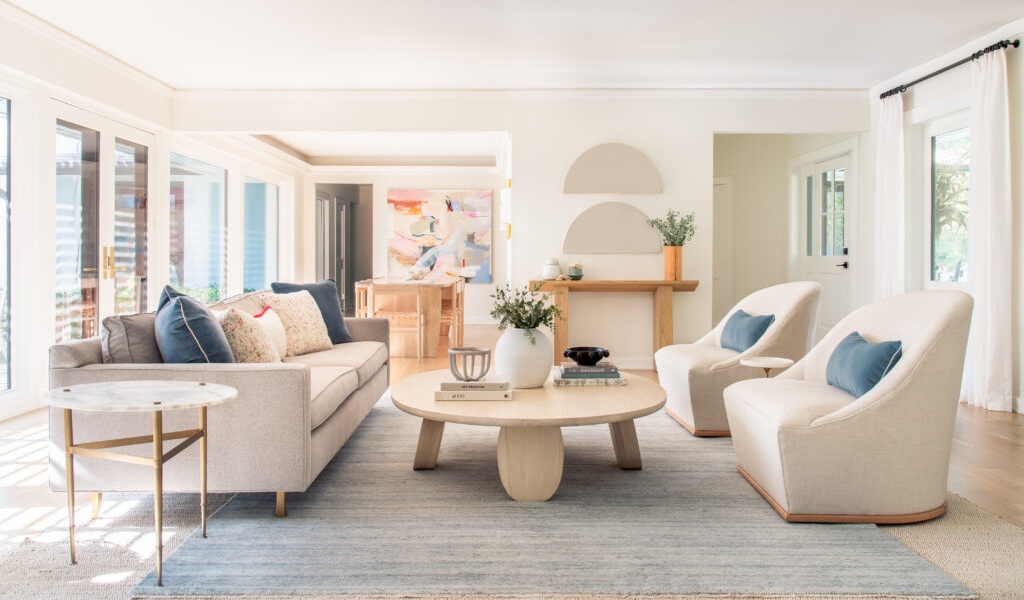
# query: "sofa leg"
281,509
96,500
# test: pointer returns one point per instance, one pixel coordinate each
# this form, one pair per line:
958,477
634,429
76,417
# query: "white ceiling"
523,44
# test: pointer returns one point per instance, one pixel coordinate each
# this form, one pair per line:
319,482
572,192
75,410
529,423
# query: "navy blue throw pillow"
743,329
856,364
187,332
326,295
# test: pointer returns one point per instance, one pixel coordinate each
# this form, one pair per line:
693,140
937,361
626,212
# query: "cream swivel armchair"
820,454
694,375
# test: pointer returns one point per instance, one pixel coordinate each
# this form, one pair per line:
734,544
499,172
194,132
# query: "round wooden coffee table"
530,451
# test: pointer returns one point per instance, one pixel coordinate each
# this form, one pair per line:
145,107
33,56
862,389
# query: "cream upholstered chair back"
795,306
932,327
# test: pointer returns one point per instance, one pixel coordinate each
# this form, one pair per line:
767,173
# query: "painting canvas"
439,232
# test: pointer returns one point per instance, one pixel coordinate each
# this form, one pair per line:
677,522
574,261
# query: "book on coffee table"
601,367
587,381
487,383
473,395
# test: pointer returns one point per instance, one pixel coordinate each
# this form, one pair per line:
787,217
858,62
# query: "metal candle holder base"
469,364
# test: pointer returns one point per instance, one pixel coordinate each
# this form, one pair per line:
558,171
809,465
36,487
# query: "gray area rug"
688,523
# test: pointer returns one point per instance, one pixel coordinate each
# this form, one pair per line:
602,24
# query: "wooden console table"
662,291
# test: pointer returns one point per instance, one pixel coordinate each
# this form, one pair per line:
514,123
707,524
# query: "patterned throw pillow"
249,343
274,328
303,324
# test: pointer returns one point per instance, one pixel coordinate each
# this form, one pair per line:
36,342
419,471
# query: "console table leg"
69,467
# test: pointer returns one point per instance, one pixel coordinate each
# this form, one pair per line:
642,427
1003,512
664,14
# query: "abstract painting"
439,232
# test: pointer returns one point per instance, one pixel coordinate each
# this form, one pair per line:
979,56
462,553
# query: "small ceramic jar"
551,269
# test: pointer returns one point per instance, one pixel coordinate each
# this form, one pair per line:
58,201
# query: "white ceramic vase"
523,363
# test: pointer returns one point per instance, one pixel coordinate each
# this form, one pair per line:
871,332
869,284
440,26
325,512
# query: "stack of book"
603,373
484,389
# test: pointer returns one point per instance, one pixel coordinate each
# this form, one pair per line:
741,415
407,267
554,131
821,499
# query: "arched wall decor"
612,169
611,228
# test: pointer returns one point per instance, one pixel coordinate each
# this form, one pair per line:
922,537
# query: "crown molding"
62,38
536,94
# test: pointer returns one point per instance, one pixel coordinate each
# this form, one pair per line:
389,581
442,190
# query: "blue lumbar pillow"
187,332
743,329
856,364
326,295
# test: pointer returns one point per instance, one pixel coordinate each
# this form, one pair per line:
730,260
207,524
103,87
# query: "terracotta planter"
673,263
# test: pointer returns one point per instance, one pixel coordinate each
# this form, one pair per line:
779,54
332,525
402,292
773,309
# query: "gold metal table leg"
69,467
202,467
158,492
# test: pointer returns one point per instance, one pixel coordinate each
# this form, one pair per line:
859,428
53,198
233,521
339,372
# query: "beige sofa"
288,421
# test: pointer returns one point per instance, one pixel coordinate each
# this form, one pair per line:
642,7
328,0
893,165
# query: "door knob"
845,264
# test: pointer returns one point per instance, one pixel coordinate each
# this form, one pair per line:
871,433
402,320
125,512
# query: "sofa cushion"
326,295
856,364
743,329
249,342
303,325
187,332
365,357
130,339
780,402
329,388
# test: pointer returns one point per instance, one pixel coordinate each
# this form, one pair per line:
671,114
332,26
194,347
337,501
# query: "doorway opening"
344,237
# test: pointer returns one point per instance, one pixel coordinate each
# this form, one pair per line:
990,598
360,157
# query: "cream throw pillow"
274,328
304,325
249,343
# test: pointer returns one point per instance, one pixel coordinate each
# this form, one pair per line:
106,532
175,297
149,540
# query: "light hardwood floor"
986,468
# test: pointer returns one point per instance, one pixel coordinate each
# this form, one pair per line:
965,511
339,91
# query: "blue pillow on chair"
187,332
743,329
326,295
856,364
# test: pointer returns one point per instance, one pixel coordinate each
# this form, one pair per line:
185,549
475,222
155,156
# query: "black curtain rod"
976,55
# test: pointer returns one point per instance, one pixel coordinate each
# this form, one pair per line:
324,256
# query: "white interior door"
825,199
721,256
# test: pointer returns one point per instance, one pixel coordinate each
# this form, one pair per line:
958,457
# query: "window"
131,239
5,244
950,161
260,236
77,232
198,215
833,212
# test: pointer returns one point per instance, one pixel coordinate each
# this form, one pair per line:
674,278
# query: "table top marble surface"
127,396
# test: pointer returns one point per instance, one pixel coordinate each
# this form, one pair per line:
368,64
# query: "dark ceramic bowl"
585,355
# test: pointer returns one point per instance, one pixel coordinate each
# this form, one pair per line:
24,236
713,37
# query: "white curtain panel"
988,375
890,218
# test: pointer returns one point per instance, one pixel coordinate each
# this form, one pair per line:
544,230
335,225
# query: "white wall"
758,165
938,96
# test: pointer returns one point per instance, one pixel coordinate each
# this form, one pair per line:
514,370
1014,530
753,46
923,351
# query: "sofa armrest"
369,329
260,440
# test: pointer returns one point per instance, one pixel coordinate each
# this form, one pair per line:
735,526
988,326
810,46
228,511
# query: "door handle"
845,264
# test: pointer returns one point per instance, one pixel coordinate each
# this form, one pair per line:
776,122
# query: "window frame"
929,129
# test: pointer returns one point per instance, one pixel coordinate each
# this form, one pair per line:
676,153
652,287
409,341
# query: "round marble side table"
149,396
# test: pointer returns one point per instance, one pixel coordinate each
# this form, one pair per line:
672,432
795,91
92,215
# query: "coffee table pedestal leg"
530,462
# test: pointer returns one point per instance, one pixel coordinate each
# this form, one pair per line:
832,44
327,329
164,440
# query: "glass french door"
826,197
102,182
